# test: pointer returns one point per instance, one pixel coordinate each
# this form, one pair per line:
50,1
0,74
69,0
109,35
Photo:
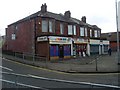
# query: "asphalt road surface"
29,76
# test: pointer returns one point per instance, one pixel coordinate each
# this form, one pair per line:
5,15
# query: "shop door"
61,51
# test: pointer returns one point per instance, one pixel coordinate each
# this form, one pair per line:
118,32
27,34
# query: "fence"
26,56
16,83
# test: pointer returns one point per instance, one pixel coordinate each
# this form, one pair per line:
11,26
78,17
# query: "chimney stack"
67,14
83,19
44,8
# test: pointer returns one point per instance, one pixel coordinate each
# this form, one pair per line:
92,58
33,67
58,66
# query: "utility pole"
118,50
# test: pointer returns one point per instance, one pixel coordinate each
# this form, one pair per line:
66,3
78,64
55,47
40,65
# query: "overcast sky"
97,12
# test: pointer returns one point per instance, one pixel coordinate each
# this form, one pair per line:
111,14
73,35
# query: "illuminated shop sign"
44,38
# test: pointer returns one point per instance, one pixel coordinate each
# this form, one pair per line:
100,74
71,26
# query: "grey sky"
99,12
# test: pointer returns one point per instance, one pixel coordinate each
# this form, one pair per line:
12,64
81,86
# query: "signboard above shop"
44,38
58,39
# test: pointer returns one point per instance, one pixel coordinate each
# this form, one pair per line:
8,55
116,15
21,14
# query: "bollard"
96,61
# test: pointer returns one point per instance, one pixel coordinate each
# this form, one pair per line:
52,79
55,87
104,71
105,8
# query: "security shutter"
94,49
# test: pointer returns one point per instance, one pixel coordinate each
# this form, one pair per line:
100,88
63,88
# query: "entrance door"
61,51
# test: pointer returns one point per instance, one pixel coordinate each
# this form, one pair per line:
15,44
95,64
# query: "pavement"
92,64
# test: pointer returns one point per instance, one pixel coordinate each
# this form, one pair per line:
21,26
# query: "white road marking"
60,80
21,84
6,68
74,82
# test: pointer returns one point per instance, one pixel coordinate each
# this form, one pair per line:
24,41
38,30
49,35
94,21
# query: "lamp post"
118,50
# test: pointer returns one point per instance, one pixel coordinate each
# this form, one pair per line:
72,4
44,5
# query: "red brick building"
112,37
51,35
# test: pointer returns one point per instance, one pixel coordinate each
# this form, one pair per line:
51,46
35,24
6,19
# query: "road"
44,78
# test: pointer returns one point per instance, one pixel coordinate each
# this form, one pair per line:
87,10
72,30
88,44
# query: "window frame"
85,31
74,30
47,25
82,31
70,29
90,32
95,33
61,28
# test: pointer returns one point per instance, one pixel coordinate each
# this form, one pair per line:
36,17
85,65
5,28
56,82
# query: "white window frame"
13,36
86,32
50,26
95,33
70,30
90,32
61,28
44,28
82,31
74,29
99,33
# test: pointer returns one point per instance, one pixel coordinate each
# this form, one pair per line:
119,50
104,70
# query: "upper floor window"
74,29
50,26
98,33
81,31
44,26
16,27
61,28
86,32
13,37
70,32
95,33
90,33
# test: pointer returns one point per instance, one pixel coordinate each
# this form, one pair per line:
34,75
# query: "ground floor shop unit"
98,46
56,47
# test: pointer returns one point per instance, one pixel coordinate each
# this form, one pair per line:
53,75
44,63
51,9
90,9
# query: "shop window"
81,31
105,48
54,50
67,50
70,32
61,28
44,26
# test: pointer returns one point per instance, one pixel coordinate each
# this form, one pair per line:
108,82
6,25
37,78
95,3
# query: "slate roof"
55,16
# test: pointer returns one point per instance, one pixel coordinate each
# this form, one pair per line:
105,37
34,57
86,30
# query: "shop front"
80,48
98,46
60,47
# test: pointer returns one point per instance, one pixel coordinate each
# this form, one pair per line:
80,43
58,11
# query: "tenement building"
54,36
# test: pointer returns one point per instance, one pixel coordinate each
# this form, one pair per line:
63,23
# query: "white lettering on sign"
42,38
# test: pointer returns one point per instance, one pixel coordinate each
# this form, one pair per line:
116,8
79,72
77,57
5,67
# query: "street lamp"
118,50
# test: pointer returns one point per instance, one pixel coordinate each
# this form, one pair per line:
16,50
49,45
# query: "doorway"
61,51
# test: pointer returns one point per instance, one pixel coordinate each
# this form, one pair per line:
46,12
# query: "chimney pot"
83,19
67,14
44,8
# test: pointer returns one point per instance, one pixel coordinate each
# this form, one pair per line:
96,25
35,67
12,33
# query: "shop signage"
59,39
80,40
44,38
